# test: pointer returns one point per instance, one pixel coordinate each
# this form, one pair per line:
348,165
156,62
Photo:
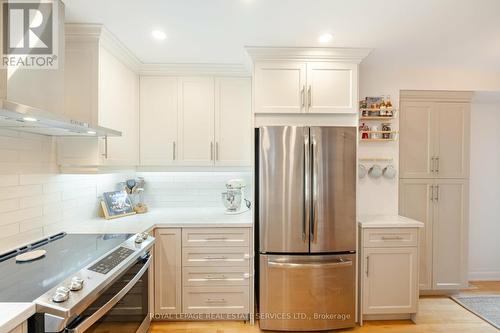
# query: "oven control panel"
106,264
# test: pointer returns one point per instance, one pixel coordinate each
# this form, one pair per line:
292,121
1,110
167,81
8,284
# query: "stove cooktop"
66,254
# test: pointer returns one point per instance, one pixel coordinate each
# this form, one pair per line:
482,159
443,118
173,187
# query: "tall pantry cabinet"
434,181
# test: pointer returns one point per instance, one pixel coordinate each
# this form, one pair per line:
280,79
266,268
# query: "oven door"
123,307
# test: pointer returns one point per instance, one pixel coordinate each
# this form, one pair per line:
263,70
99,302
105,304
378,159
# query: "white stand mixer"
235,196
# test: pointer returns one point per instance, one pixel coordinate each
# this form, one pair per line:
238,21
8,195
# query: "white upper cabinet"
158,124
280,87
306,80
416,136
233,121
331,87
452,140
102,90
434,134
196,121
299,87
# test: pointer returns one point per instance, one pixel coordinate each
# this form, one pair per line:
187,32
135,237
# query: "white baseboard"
484,276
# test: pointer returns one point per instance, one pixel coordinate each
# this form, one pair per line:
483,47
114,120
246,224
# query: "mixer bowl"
231,200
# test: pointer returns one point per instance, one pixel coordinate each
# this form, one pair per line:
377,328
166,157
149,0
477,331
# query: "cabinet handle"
309,96
367,265
173,150
392,237
105,155
215,238
215,258
431,190
215,300
217,151
437,193
211,151
302,96
437,164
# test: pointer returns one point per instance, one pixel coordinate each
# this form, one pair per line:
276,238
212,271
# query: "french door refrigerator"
307,227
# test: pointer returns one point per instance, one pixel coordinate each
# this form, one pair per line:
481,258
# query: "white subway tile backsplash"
9,205
10,192
19,215
9,180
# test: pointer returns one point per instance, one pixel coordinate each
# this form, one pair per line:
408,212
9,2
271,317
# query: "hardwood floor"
436,314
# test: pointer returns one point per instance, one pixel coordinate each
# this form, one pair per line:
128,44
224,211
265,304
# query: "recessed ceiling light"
158,34
91,132
29,119
325,38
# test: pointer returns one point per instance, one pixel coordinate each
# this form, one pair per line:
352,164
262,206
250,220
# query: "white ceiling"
431,33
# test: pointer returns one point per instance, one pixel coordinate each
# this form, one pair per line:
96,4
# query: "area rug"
486,307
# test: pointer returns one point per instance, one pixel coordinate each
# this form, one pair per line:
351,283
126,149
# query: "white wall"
484,250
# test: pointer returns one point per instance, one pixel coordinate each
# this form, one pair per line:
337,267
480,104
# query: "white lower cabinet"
203,271
23,328
167,271
389,272
390,283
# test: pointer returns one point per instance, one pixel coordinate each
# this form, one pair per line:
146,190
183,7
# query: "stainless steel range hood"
25,118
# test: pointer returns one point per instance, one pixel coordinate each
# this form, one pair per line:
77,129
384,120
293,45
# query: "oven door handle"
87,323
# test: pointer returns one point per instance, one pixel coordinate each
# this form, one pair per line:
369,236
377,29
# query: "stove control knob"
144,235
76,284
61,295
62,290
139,239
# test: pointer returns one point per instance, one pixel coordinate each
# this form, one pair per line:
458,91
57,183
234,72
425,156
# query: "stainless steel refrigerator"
307,227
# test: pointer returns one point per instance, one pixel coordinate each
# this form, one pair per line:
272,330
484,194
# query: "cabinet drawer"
215,256
215,300
215,276
216,237
390,237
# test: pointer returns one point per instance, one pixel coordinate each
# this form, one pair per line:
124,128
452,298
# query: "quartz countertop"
13,314
388,221
160,217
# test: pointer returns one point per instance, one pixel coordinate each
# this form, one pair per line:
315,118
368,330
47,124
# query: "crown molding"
83,32
436,95
344,54
97,33
187,69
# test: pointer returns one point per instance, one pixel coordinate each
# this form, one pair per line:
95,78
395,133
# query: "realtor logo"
29,35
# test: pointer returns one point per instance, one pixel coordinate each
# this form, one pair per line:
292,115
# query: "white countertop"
13,314
388,221
162,217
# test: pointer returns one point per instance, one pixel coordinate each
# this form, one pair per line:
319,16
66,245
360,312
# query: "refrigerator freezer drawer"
307,293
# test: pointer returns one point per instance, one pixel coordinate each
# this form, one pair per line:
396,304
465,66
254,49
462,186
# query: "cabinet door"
450,234
167,266
416,137
415,201
390,280
332,88
118,109
158,114
196,121
233,121
452,139
280,87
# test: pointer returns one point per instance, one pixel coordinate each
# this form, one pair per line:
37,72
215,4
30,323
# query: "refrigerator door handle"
313,191
307,194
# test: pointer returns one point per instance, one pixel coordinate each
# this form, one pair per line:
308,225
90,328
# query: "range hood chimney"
32,99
